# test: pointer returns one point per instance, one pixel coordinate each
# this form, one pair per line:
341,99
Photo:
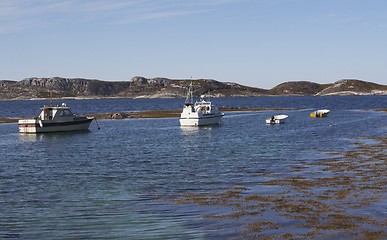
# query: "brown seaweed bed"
169,113
340,197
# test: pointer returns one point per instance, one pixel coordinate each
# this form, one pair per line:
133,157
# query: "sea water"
120,182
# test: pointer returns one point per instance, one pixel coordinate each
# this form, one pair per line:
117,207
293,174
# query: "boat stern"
28,125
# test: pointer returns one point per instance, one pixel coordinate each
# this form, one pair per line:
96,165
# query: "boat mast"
50,98
189,98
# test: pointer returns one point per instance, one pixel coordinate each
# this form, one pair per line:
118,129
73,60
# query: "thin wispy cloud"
106,6
24,14
28,8
153,15
18,15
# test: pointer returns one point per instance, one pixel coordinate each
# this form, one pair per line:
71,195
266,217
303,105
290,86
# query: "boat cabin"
54,113
203,105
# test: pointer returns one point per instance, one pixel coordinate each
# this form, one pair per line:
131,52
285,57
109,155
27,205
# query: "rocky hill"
297,88
138,87
341,87
353,87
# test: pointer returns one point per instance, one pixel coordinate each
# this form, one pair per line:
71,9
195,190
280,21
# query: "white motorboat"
276,119
319,113
203,112
55,119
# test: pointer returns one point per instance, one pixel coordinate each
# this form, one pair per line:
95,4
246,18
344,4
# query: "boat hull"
201,121
277,119
319,114
38,126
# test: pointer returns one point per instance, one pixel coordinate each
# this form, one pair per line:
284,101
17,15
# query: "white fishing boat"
276,119
203,112
55,119
319,113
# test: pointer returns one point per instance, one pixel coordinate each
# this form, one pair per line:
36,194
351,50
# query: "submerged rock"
119,115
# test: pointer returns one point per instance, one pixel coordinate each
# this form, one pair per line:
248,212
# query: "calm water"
108,183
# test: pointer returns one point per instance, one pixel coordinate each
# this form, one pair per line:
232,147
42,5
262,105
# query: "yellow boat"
319,113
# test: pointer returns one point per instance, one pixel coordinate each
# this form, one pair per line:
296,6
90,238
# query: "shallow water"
122,181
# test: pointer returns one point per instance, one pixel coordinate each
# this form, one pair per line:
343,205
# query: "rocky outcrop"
163,87
74,87
58,87
140,87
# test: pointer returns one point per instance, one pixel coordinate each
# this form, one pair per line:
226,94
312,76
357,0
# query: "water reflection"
187,130
28,137
32,137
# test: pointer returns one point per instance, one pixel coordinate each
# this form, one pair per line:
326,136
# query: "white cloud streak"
16,15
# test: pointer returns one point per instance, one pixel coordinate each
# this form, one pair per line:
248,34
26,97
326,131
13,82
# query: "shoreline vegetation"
155,113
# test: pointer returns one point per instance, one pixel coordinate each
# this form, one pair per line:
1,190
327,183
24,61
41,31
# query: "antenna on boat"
189,98
191,94
50,99
191,91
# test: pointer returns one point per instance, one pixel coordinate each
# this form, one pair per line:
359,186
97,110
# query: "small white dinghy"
276,119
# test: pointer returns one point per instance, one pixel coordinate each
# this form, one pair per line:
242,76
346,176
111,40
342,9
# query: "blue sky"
259,43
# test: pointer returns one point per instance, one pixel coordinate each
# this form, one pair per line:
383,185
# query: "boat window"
66,112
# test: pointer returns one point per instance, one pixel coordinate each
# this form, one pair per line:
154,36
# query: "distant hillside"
140,87
353,87
297,88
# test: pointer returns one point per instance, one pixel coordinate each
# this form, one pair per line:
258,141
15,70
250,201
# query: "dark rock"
119,115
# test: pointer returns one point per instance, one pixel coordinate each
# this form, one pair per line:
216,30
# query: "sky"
258,43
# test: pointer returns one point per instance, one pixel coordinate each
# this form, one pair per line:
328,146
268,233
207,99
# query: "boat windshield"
66,112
